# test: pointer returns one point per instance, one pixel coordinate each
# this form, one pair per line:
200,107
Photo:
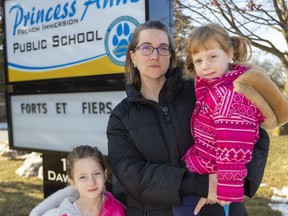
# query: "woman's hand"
212,194
202,201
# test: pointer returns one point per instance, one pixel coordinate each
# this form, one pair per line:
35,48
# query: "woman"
149,132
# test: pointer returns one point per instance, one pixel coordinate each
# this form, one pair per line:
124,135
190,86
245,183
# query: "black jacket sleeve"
154,183
256,166
196,184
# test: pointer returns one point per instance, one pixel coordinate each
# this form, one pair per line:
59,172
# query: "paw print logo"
117,38
121,39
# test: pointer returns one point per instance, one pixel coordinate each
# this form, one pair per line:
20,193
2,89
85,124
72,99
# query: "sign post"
54,172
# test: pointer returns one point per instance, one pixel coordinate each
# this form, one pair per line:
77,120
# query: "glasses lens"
164,50
145,50
148,50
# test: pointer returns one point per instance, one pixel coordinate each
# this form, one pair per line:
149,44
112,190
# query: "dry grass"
17,195
275,176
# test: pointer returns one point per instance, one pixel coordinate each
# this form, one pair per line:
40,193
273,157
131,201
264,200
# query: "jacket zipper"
167,118
145,210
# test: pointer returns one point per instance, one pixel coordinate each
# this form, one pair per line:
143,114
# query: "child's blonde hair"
211,36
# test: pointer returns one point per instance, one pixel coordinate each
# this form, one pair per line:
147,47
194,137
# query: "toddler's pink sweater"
225,127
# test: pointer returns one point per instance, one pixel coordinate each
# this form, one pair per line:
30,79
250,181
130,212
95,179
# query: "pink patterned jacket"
225,127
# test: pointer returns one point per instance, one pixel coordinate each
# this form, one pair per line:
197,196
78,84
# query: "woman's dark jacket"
146,141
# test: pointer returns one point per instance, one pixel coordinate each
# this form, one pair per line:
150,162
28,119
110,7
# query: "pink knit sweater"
225,127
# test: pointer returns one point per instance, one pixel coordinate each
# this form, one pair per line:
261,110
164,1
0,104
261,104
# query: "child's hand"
222,203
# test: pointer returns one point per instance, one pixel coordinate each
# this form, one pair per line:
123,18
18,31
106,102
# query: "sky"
279,41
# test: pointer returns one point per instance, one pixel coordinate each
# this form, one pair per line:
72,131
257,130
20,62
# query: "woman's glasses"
147,50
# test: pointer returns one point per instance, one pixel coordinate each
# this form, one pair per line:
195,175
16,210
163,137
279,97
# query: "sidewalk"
3,132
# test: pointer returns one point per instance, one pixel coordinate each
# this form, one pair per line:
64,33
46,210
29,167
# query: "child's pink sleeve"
237,130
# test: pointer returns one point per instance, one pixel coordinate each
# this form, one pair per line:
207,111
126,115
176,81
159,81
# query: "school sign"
59,39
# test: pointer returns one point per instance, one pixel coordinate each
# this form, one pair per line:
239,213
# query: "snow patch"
280,200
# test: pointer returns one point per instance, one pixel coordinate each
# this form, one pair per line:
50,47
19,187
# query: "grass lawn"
19,195
275,176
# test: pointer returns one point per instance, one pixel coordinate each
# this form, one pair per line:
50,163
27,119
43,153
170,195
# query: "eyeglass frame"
153,48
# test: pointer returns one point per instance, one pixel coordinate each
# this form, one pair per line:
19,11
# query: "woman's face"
88,178
154,66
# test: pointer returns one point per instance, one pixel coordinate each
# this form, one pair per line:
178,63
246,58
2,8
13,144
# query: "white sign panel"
47,39
59,122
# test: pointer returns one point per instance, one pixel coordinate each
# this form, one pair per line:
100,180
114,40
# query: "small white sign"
59,122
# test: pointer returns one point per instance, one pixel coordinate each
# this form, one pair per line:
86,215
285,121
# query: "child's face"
211,63
88,178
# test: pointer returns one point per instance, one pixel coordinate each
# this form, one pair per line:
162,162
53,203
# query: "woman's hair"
132,74
84,151
211,36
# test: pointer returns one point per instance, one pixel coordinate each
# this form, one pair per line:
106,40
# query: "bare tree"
253,19
182,27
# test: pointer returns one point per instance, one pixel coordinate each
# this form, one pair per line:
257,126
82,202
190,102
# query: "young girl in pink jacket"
225,123
87,172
